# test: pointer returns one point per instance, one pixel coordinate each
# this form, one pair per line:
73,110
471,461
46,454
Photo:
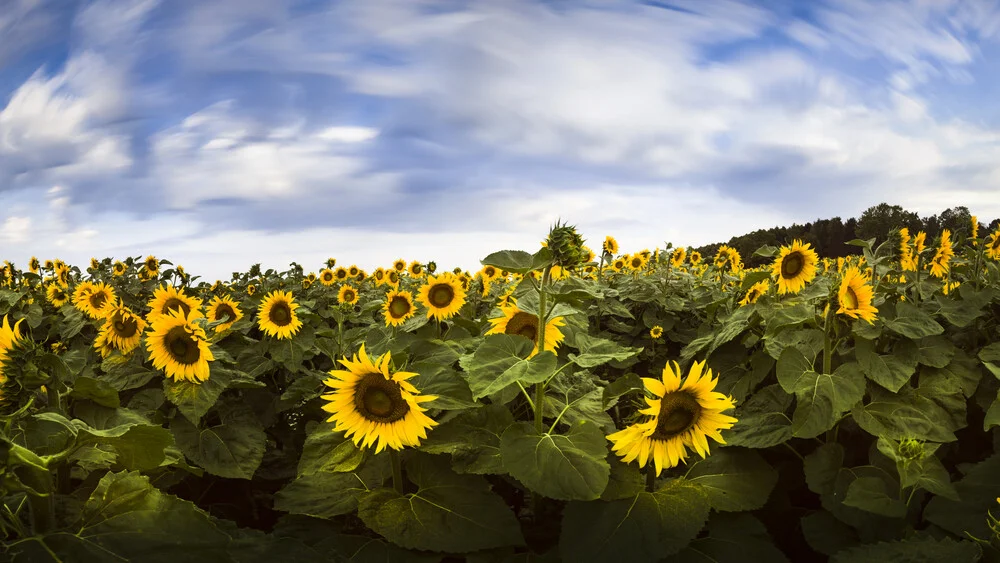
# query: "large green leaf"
139,447
762,421
500,361
325,495
907,414
569,466
518,261
574,397
923,549
925,472
732,538
233,448
935,351
473,439
870,494
595,351
889,371
978,491
821,398
195,399
913,322
822,466
449,512
326,451
645,527
734,479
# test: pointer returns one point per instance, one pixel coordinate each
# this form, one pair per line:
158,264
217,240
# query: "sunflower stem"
827,339
397,470
53,396
540,387
650,477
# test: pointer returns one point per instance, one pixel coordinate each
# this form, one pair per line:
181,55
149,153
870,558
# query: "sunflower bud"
911,450
566,246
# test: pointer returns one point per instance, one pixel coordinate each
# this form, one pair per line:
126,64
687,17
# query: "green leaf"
913,322
752,278
935,351
139,447
325,495
449,512
626,480
96,390
564,467
234,448
907,414
595,351
518,261
732,538
822,399
869,494
889,371
647,526
792,366
500,361
962,374
923,549
809,341
442,381
961,312
826,534
926,472
734,479
574,397
978,491
822,466
127,376
762,421
473,440
194,399
326,451
622,385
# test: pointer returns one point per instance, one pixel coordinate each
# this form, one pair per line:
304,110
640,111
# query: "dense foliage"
530,412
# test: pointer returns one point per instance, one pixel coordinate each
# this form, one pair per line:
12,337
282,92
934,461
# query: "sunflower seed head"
566,246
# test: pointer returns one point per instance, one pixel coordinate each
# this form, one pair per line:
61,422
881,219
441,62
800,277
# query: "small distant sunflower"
694,258
855,296
347,295
906,259
33,265
327,277
619,264
392,278
656,332
941,263
362,275
97,301
353,271
95,264
975,230
251,289
63,275
379,275
50,265
57,295
399,265
152,266
122,328
993,245
678,256
920,242
728,258
398,307
432,267
331,262
517,322
376,406
341,274
178,346
306,283
681,416
636,262
610,245
222,308
118,269
755,291
416,269
489,273
442,295
167,298
276,315
794,267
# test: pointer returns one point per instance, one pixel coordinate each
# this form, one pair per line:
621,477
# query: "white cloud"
15,229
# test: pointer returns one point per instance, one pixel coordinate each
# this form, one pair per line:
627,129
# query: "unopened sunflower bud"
566,246
911,450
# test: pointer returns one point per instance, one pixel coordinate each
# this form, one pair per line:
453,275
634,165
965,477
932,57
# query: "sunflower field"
557,405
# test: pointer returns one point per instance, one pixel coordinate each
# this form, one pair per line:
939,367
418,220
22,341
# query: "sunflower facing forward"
993,245
327,277
443,296
97,301
517,322
376,406
167,299
681,416
276,315
122,328
794,267
855,296
348,295
179,347
9,337
223,309
56,294
398,307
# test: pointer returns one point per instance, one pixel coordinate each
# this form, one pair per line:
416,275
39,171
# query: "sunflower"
341,274
398,307
993,245
755,291
906,260
33,265
974,235
940,264
379,275
353,271
178,346
276,315
95,303
392,278
728,258
855,296
919,242
82,290
95,264
9,337
432,267
326,277
63,275
347,295
376,406
118,269
57,295
681,416
306,283
399,265
442,295
794,267
50,265
361,276
610,245
152,266
223,308
619,264
167,298
416,269
694,258
677,257
251,289
517,322
636,262
331,262
489,273
654,333
589,255
122,328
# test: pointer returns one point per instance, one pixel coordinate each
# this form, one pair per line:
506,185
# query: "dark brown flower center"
523,324
441,295
416,269
490,271
349,296
175,304
328,276
379,399
399,307
152,265
791,265
280,314
124,325
98,299
353,271
182,346
679,411
224,311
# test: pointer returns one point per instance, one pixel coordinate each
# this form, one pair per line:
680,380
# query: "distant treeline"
829,237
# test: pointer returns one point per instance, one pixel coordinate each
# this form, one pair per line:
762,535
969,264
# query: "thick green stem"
540,387
828,340
650,477
397,470
53,395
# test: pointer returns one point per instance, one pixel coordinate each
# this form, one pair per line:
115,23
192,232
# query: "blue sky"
222,133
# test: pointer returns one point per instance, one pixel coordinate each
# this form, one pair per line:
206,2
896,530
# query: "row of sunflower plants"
561,405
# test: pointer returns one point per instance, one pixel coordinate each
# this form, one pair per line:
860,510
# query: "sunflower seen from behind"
442,295
276,315
794,267
398,307
680,415
374,405
522,323
177,344
223,309
855,296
